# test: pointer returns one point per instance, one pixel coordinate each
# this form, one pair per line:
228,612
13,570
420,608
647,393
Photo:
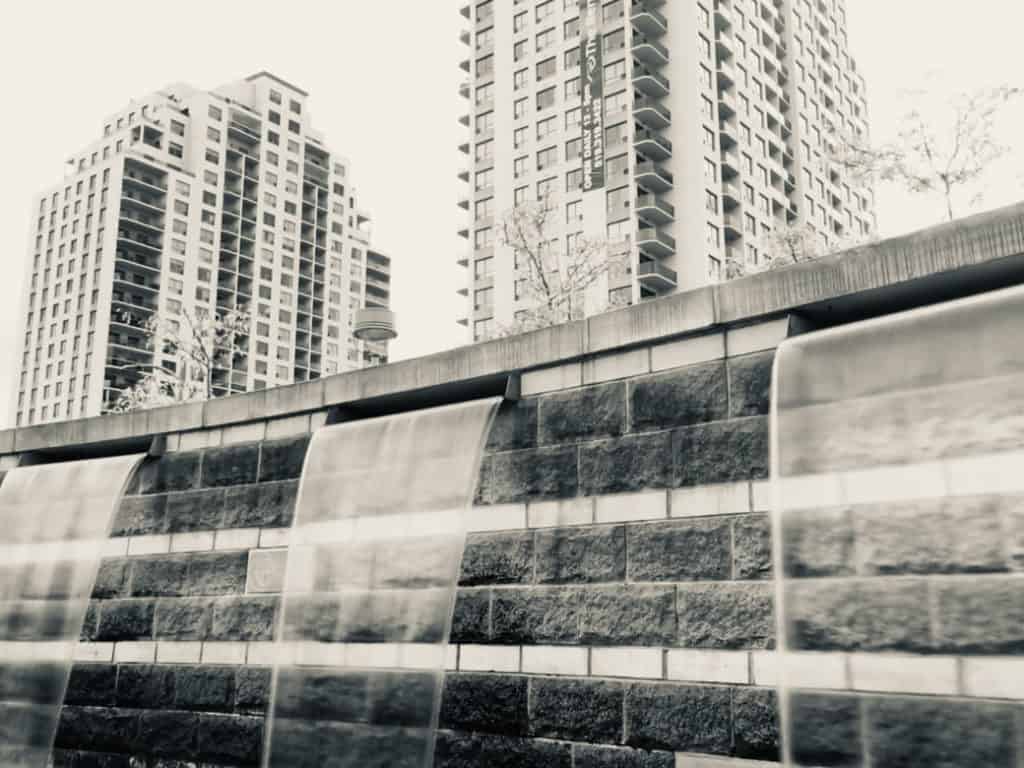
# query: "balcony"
652,145
722,18
730,196
649,51
655,276
726,75
726,136
730,163
655,244
732,226
650,83
651,113
725,44
653,210
653,177
726,105
244,131
648,21
462,260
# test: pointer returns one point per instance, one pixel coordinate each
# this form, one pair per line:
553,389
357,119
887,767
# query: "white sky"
382,78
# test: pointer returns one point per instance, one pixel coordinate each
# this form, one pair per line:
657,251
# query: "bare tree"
791,244
188,346
553,281
948,153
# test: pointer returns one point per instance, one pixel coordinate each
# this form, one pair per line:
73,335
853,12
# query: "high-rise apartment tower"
196,201
719,122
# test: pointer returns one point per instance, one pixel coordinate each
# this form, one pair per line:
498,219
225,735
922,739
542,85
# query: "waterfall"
54,523
373,565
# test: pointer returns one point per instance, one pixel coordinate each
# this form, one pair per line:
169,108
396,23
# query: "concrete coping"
941,262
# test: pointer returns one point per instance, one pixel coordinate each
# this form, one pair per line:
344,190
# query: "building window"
547,157
483,298
483,267
546,98
546,68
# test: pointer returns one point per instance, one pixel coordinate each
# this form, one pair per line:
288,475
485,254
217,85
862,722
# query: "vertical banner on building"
592,90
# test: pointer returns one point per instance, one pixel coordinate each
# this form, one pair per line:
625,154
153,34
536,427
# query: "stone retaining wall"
615,608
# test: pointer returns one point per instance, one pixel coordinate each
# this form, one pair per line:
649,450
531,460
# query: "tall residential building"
195,201
718,116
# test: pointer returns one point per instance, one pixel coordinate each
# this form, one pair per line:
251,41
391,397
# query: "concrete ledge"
949,261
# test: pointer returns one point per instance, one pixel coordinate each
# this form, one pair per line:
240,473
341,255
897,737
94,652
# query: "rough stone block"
980,615
472,618
515,426
686,550
230,465
628,615
631,463
588,413
591,756
729,616
576,710
875,615
183,618
498,558
139,515
579,555
752,547
403,698
489,703
206,689
826,729
956,734
232,739
220,573
818,542
472,750
111,579
686,396
171,472
750,382
90,624
97,729
686,718
160,576
323,695
532,474
252,690
952,535
282,459
244,618
721,452
536,615
168,733
756,723
126,620
260,506
194,511
145,686
92,685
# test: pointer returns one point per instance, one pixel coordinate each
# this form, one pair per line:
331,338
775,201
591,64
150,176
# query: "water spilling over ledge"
54,524
374,559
